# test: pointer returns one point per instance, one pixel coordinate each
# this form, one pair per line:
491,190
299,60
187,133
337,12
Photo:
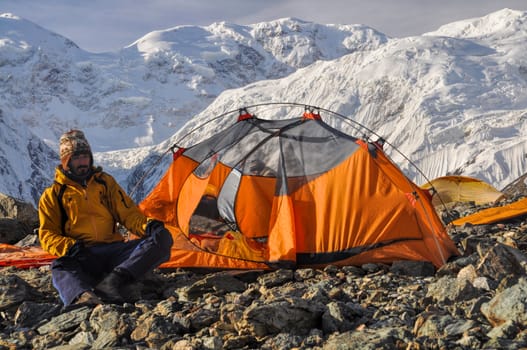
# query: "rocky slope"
475,301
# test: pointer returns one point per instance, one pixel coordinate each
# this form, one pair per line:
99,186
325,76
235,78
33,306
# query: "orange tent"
293,193
263,194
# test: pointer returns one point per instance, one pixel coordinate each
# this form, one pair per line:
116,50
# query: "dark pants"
74,275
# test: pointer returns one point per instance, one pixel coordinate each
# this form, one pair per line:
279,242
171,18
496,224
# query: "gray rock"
341,317
507,330
371,268
14,290
12,230
29,241
304,274
154,330
294,314
240,342
509,305
502,261
353,270
276,278
413,268
215,283
21,211
202,318
283,340
65,321
459,327
450,290
105,339
367,339
432,325
111,317
30,314
82,340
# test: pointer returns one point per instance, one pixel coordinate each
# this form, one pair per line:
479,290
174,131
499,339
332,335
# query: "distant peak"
292,19
22,33
503,22
9,15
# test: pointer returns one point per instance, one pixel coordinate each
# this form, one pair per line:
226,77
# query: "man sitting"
78,216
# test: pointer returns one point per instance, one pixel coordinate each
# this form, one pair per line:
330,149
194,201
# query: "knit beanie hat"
73,142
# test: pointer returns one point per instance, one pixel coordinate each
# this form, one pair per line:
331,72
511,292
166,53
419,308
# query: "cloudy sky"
108,25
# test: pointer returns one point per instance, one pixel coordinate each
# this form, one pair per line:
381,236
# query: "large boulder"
13,208
509,305
17,219
12,231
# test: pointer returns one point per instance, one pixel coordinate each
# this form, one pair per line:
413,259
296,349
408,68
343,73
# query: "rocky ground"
476,301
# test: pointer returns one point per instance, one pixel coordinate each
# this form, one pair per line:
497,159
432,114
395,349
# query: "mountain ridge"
461,117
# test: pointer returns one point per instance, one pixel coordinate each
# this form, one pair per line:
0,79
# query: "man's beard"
80,174
81,171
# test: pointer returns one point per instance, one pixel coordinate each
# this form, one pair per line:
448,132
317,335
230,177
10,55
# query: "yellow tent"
456,188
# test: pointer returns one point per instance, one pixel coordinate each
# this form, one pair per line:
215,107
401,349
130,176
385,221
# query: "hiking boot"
88,298
132,292
109,287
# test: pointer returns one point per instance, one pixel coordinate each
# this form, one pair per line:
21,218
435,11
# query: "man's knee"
64,263
159,241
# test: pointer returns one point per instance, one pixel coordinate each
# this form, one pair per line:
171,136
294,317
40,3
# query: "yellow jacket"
92,212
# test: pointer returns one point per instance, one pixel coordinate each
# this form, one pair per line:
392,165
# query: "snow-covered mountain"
453,100
143,93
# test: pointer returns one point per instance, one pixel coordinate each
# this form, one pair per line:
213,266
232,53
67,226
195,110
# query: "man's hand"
154,228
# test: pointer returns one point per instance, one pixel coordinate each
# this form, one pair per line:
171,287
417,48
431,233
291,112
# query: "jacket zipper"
92,221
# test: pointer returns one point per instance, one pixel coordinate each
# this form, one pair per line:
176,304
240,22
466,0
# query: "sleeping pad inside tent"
292,193
264,194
